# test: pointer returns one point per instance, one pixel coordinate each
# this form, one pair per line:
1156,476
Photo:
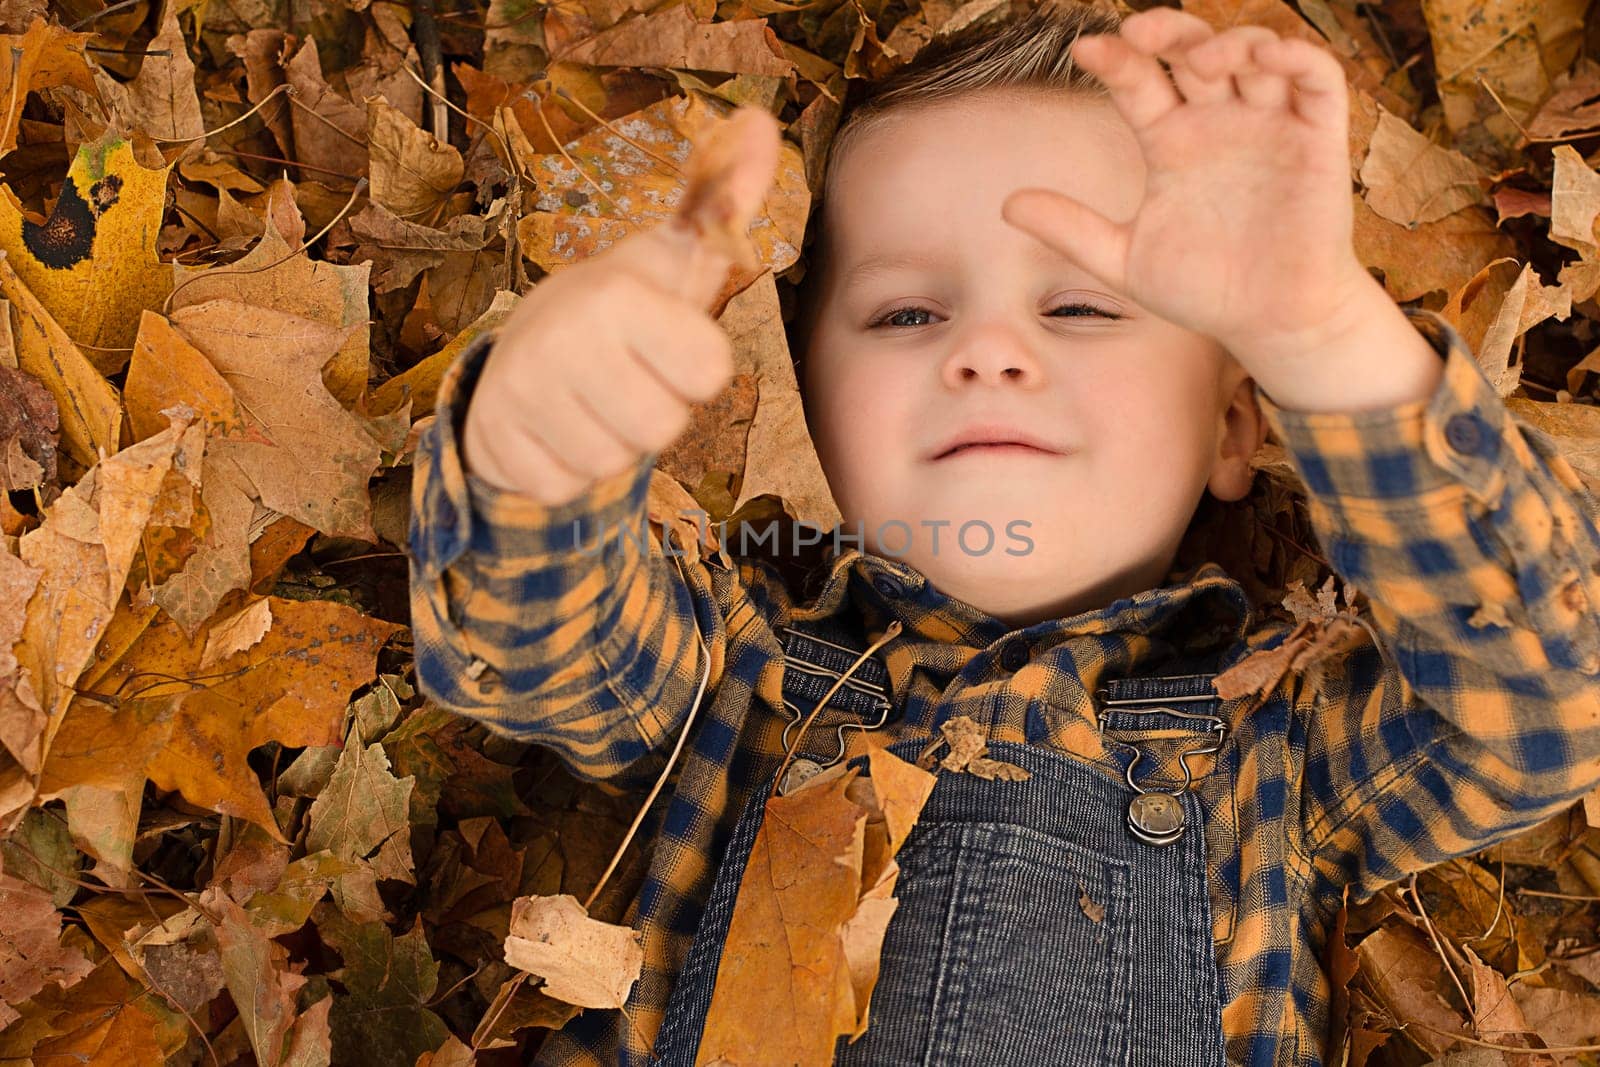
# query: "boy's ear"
1244,432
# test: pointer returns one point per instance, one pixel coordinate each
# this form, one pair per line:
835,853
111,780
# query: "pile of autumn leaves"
231,829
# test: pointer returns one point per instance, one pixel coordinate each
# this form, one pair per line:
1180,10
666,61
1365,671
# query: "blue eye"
1075,310
884,320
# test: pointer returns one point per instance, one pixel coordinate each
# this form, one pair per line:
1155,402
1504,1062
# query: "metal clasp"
1155,816
801,768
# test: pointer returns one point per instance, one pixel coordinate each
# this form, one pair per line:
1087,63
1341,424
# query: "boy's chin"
991,581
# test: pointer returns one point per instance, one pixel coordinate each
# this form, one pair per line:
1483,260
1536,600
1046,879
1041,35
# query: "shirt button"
1465,432
888,585
1015,654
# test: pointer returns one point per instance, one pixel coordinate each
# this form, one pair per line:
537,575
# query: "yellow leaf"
91,413
93,263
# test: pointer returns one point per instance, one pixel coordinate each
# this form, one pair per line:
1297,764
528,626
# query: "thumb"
1074,229
729,173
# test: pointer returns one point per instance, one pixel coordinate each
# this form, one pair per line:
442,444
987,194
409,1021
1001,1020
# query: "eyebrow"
888,262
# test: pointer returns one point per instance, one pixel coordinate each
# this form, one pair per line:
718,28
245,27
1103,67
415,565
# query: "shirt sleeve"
565,625
1477,714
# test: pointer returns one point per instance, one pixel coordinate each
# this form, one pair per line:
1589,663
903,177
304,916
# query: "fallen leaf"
583,962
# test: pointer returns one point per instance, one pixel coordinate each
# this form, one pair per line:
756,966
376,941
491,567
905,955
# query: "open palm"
1244,233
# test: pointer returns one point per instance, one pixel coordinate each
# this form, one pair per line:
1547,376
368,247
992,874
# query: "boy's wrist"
1371,357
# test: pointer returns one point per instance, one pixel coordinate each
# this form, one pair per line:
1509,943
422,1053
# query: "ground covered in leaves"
243,238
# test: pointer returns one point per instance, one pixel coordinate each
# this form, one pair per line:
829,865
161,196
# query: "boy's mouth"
994,440
994,448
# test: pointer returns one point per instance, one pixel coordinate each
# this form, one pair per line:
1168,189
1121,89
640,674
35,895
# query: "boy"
1196,232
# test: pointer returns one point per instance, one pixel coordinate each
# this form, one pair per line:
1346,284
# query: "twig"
513,247
1499,908
285,88
889,634
431,54
1558,1049
661,779
1434,937
289,162
1292,543
635,145
214,272
103,11
1556,896
538,106
129,52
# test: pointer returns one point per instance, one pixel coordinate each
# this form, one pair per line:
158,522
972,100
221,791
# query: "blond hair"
1027,47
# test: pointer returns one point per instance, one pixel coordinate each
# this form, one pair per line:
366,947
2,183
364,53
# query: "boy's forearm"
1373,357
579,639
1475,544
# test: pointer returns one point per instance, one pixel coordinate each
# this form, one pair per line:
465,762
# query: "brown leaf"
47,54
583,961
83,552
1095,911
1410,179
967,745
330,133
276,274
363,812
31,953
263,984
161,101
673,37
802,952
29,429
291,687
1403,969
317,467
412,172
1433,255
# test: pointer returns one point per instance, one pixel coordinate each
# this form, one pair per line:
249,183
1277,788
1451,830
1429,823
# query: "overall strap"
816,654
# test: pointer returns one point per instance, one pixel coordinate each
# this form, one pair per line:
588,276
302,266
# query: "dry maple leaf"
1323,635
583,961
815,899
292,687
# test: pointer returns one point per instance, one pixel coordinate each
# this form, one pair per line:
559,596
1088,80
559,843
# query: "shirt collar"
1197,607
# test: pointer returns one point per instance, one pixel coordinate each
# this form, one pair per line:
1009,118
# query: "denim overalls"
998,952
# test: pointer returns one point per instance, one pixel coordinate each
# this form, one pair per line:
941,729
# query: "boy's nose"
992,353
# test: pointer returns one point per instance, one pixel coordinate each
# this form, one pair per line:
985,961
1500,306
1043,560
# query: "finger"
575,437
1168,34
1230,53
1074,229
1317,90
682,345
1139,87
541,474
646,413
728,174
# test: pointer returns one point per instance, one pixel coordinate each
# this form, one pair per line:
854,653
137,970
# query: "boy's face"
1146,415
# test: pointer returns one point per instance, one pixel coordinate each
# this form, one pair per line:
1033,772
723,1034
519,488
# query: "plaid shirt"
1478,716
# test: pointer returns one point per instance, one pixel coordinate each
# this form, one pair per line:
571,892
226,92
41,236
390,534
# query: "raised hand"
602,362
1244,232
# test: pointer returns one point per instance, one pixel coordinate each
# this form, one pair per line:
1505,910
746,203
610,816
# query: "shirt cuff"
453,509
1409,452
